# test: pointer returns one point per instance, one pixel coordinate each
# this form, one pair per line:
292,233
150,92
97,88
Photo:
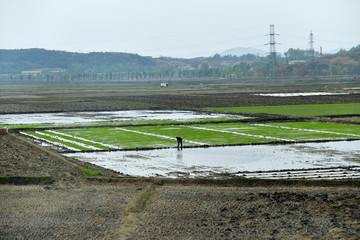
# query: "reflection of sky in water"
226,159
87,117
304,94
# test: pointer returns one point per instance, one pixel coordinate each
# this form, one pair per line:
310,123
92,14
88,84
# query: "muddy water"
111,116
211,161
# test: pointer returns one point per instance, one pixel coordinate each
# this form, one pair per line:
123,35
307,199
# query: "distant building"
32,72
54,70
296,61
43,71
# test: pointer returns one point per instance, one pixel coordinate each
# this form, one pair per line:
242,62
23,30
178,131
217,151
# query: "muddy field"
115,96
76,206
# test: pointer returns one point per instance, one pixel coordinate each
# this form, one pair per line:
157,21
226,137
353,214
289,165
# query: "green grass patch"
299,110
26,180
89,172
29,126
138,103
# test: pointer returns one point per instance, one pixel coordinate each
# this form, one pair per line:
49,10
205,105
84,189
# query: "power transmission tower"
311,46
272,51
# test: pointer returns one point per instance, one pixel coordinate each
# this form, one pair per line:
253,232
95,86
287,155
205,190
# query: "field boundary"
301,110
227,181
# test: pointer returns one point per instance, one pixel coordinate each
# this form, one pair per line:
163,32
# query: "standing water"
111,116
222,160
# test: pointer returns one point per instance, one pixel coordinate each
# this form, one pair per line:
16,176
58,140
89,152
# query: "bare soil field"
100,97
106,207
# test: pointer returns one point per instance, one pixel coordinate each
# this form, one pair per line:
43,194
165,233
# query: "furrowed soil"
113,206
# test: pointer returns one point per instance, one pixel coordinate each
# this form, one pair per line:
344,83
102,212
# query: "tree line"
228,67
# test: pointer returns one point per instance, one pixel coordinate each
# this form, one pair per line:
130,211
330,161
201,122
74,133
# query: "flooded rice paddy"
106,116
232,160
300,94
209,162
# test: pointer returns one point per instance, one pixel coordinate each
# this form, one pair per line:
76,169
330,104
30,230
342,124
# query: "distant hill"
240,51
133,65
15,61
342,63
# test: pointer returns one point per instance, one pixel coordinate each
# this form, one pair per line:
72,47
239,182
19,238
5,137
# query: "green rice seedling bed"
202,136
72,145
323,126
120,138
78,140
299,110
268,131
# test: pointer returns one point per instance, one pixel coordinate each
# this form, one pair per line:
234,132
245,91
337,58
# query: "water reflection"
111,116
202,161
179,156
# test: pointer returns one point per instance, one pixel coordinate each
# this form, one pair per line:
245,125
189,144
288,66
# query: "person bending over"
179,142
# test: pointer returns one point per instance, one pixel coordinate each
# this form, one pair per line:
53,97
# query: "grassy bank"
299,110
26,180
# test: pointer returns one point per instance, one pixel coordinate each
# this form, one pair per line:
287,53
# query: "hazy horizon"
177,28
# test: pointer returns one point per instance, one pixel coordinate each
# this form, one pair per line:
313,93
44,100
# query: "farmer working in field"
179,142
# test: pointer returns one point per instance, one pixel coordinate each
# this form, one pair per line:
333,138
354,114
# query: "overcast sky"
177,28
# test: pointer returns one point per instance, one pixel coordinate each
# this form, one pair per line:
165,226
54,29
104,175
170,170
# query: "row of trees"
238,71
210,67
